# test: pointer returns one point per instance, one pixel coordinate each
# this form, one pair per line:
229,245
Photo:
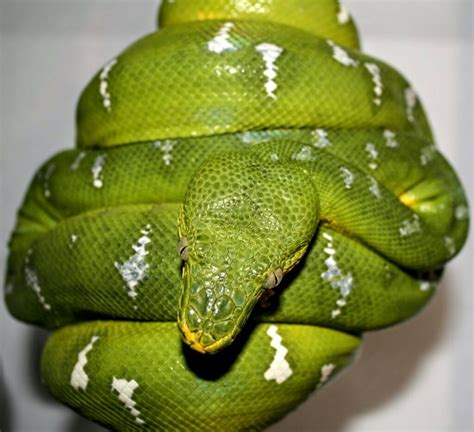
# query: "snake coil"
298,177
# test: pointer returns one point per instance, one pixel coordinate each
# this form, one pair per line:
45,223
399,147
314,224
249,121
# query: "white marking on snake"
326,372
341,55
270,54
343,16
334,276
410,227
427,154
251,6
425,286
410,101
79,379
47,176
32,281
221,42
304,154
104,84
221,69
97,169
348,177
461,212
274,157
390,138
450,245
74,239
249,137
374,70
280,369
374,188
388,272
166,147
373,155
77,162
321,139
125,390
135,269
424,207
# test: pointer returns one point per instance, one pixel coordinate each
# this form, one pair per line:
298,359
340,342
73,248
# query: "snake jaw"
210,326
193,339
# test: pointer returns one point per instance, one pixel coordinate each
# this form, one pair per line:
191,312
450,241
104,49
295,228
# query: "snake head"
244,224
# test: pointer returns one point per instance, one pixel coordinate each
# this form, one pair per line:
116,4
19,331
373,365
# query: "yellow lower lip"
407,199
192,338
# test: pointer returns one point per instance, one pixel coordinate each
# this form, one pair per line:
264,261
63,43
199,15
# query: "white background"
415,377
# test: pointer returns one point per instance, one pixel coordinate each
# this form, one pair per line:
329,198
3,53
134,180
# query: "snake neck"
327,19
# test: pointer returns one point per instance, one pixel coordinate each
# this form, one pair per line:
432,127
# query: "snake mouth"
196,340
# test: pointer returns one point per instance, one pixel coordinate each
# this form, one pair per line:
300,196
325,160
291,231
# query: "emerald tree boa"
249,194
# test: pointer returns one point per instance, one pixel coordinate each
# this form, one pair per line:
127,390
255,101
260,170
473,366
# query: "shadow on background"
388,361
80,424
37,340
6,420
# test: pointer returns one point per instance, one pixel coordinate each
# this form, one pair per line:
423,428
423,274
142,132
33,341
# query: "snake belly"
263,102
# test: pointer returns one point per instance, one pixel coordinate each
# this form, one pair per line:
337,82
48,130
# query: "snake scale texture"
299,181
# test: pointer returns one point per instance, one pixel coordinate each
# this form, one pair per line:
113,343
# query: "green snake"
247,182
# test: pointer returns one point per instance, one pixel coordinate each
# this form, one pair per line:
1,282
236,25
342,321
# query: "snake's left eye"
274,279
183,249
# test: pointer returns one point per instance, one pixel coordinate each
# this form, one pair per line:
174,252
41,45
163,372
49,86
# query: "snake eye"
183,249
274,279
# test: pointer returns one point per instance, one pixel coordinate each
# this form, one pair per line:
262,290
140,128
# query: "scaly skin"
298,178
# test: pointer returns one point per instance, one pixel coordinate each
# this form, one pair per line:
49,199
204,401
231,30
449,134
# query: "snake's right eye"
183,249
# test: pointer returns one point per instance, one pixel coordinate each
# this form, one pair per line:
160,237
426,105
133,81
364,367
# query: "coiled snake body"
281,160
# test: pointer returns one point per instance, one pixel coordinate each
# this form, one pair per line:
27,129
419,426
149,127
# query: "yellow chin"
192,338
408,199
